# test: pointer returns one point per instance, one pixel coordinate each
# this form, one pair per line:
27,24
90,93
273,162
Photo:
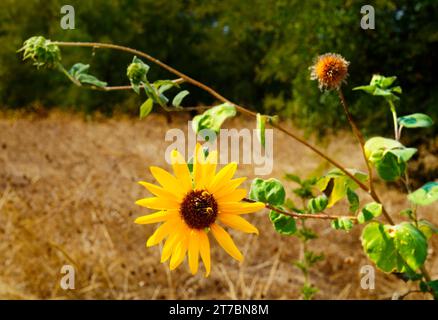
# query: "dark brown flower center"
199,209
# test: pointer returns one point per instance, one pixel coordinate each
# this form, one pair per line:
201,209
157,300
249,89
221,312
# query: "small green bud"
42,51
137,71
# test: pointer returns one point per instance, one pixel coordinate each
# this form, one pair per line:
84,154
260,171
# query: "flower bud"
137,71
42,51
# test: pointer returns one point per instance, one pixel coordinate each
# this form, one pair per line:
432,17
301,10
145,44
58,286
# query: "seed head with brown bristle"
330,70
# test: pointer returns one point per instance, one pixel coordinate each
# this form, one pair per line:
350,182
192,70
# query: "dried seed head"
330,70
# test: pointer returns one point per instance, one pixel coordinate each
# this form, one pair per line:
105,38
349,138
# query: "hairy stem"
322,216
361,140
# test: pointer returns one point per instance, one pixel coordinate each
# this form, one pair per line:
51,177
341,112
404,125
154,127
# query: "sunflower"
191,205
330,70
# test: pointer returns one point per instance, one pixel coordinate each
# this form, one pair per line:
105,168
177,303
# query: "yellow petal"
169,246
234,195
178,253
158,191
240,207
198,160
238,223
222,177
209,168
181,170
158,203
156,217
204,250
225,241
228,187
194,251
162,231
169,182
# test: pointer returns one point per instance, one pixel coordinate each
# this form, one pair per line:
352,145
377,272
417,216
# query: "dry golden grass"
67,192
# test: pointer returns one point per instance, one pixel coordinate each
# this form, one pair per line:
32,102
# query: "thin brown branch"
127,87
323,216
358,134
146,56
214,94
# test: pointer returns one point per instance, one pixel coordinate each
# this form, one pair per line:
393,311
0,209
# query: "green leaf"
388,156
369,89
306,234
268,191
370,211
146,108
91,80
179,98
411,245
434,286
428,228
403,154
380,248
152,92
336,183
78,72
292,177
213,118
317,204
416,120
283,224
389,168
164,85
77,69
399,248
261,126
381,86
385,82
343,223
308,291
426,195
312,258
380,144
353,199
397,89
381,92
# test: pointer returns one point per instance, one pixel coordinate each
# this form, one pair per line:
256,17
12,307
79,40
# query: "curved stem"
358,134
214,94
321,216
146,56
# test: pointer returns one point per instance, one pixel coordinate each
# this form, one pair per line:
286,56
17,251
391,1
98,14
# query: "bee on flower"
191,206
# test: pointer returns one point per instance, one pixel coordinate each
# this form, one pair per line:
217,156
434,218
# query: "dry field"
67,192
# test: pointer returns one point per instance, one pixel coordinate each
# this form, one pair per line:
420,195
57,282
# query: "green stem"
65,72
394,118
